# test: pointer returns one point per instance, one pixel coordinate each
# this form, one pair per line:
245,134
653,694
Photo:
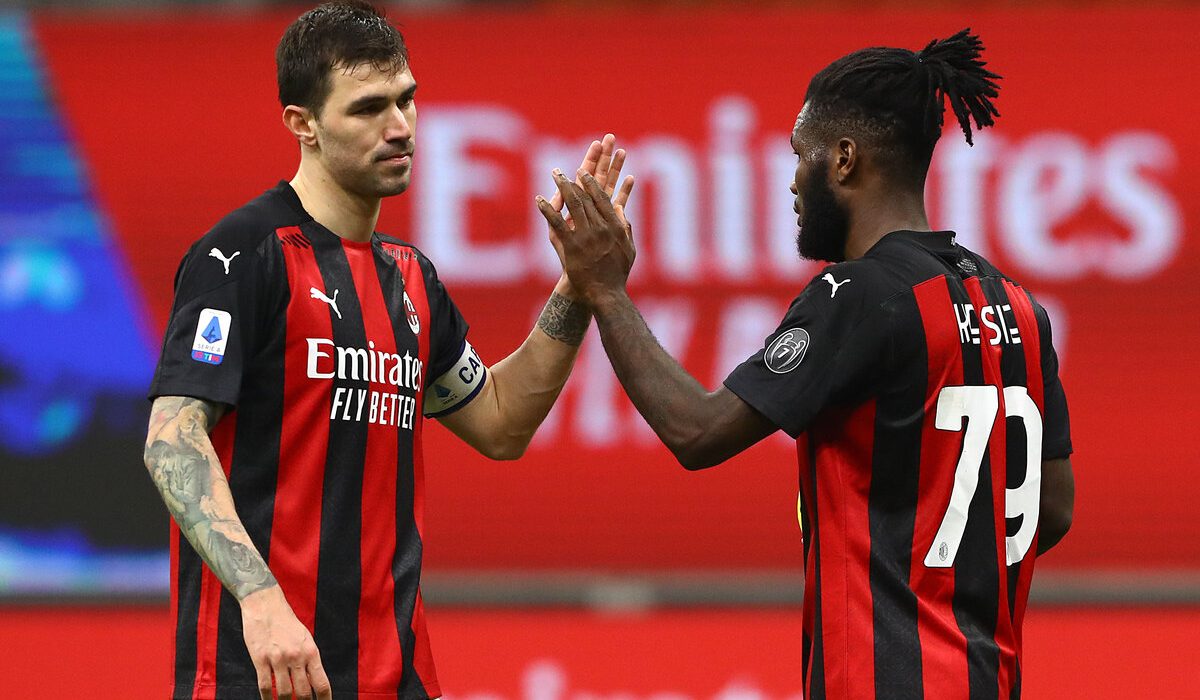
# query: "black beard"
825,224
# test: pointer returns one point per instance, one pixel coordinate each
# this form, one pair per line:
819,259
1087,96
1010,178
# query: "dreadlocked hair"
895,98
957,72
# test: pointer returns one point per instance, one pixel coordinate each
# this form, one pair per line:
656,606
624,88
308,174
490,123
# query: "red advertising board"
1130,654
1085,191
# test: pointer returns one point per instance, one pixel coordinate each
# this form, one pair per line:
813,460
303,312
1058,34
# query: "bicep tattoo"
186,471
564,320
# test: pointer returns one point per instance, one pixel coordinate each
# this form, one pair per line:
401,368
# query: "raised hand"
596,245
603,163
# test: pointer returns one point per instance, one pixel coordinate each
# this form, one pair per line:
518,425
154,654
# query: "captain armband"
457,386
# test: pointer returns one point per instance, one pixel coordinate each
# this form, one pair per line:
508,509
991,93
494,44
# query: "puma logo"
215,253
833,283
318,294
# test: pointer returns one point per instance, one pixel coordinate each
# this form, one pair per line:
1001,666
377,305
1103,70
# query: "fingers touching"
550,210
602,162
587,220
591,161
579,202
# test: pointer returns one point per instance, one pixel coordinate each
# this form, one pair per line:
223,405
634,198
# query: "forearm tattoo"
564,320
184,468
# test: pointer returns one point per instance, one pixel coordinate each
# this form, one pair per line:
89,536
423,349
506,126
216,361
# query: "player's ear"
845,159
302,123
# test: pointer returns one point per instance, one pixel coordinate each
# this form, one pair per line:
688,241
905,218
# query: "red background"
177,122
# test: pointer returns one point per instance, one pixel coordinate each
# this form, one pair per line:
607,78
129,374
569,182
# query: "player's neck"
881,216
348,215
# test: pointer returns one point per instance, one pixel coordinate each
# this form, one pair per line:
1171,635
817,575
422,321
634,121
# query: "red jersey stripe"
296,521
422,652
942,645
206,636
844,482
210,586
414,287
175,542
379,656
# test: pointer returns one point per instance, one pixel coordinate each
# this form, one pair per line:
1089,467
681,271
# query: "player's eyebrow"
381,98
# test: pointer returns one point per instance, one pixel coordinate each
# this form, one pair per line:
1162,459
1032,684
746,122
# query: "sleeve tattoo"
185,470
564,320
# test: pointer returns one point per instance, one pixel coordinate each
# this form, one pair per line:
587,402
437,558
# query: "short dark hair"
895,97
341,34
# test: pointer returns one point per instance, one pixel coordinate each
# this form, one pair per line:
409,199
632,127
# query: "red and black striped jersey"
325,349
922,387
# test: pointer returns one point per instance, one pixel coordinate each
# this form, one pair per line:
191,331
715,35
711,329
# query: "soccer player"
919,381
302,351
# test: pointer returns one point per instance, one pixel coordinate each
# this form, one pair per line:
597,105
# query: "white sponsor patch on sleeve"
212,335
457,386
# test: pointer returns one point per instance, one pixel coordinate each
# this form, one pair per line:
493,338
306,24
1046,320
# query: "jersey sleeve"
212,327
456,373
822,353
1056,421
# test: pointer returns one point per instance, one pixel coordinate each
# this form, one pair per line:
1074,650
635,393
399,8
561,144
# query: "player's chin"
392,186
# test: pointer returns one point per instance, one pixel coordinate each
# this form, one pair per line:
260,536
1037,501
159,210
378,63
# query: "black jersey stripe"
339,573
1037,346
407,576
1012,371
816,662
1012,374
943,663
253,470
896,468
256,461
395,275
233,667
807,528
977,576
186,592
